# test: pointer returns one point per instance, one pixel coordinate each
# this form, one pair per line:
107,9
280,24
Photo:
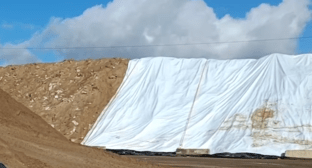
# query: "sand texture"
27,141
68,95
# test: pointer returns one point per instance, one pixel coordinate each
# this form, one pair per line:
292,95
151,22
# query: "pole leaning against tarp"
180,150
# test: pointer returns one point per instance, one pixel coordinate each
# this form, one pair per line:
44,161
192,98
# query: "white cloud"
7,26
142,22
11,56
18,25
27,26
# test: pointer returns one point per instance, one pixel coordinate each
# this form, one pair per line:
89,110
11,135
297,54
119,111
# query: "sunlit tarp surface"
257,106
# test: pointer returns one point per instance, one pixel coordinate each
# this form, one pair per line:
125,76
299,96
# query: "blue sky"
20,19
36,14
27,17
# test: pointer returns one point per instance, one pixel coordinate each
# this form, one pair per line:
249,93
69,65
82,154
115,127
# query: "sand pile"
28,141
68,95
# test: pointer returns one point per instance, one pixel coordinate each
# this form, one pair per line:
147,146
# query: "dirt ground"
68,95
27,141
205,162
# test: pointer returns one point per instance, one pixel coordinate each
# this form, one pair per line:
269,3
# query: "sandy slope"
68,95
28,141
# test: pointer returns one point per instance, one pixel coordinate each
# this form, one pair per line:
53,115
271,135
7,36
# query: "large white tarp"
255,106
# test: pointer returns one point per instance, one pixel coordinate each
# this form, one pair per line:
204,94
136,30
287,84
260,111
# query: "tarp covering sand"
239,106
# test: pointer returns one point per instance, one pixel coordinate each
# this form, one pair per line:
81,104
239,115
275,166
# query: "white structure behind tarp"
252,106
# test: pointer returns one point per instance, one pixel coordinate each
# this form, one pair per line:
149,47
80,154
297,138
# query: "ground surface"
27,141
68,95
202,162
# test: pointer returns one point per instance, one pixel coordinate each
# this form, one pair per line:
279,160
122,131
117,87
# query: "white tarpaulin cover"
253,106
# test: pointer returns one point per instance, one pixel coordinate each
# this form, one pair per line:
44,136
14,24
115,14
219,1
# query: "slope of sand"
68,95
28,141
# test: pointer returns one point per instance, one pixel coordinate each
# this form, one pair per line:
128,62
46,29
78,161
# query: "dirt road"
204,162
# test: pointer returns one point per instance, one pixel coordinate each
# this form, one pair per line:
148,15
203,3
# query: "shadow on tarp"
243,156
218,155
142,153
2,165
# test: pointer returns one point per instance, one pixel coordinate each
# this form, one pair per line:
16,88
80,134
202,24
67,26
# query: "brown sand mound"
26,140
68,95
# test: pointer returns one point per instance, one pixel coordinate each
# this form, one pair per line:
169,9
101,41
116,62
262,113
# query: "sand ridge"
27,141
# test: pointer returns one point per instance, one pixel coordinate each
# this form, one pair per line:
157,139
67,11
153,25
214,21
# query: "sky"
25,25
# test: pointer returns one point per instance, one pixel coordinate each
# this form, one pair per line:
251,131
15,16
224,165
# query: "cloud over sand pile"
141,22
